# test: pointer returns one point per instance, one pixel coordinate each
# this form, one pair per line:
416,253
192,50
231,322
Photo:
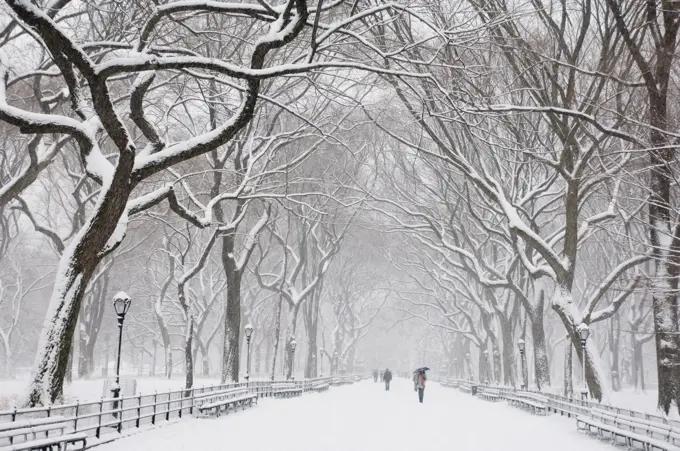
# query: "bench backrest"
226,391
226,394
25,434
10,425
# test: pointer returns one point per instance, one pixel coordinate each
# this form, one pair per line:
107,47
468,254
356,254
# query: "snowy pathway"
365,417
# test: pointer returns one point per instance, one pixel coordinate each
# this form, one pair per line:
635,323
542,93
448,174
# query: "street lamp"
584,333
488,365
521,344
249,332
293,345
321,362
334,363
121,305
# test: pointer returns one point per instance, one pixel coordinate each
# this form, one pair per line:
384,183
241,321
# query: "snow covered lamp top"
583,331
467,356
293,345
486,353
249,330
121,303
520,345
322,351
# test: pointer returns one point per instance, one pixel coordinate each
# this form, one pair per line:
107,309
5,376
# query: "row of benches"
649,435
57,431
632,431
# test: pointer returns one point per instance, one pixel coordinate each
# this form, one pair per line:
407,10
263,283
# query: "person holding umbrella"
419,379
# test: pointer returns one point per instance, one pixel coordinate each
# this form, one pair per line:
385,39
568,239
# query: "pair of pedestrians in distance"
385,376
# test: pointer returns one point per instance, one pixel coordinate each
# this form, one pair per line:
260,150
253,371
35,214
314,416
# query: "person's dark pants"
375,378
387,385
421,393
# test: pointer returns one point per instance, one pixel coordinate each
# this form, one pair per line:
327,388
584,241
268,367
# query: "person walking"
387,377
419,379
375,375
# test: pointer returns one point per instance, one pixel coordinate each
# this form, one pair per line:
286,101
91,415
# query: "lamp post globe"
249,332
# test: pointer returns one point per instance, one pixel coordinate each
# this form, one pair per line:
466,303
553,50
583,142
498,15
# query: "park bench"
465,387
490,395
320,387
536,404
221,401
285,390
39,433
563,407
649,435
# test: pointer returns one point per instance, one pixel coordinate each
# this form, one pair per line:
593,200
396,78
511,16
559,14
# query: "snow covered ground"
365,417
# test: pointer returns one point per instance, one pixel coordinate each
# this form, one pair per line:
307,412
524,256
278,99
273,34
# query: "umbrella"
421,370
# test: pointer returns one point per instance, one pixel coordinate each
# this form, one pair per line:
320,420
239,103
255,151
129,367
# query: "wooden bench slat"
49,441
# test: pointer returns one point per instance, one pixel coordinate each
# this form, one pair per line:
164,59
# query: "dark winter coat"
387,376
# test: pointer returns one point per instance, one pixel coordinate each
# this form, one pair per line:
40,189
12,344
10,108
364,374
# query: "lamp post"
521,344
121,305
467,357
293,345
321,363
584,333
488,365
249,332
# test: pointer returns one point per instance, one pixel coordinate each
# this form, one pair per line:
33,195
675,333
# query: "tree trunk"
86,356
277,334
107,350
188,354
140,370
613,338
541,362
598,382
509,368
288,362
232,318
638,373
311,311
205,354
168,362
568,370
497,366
152,368
663,234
